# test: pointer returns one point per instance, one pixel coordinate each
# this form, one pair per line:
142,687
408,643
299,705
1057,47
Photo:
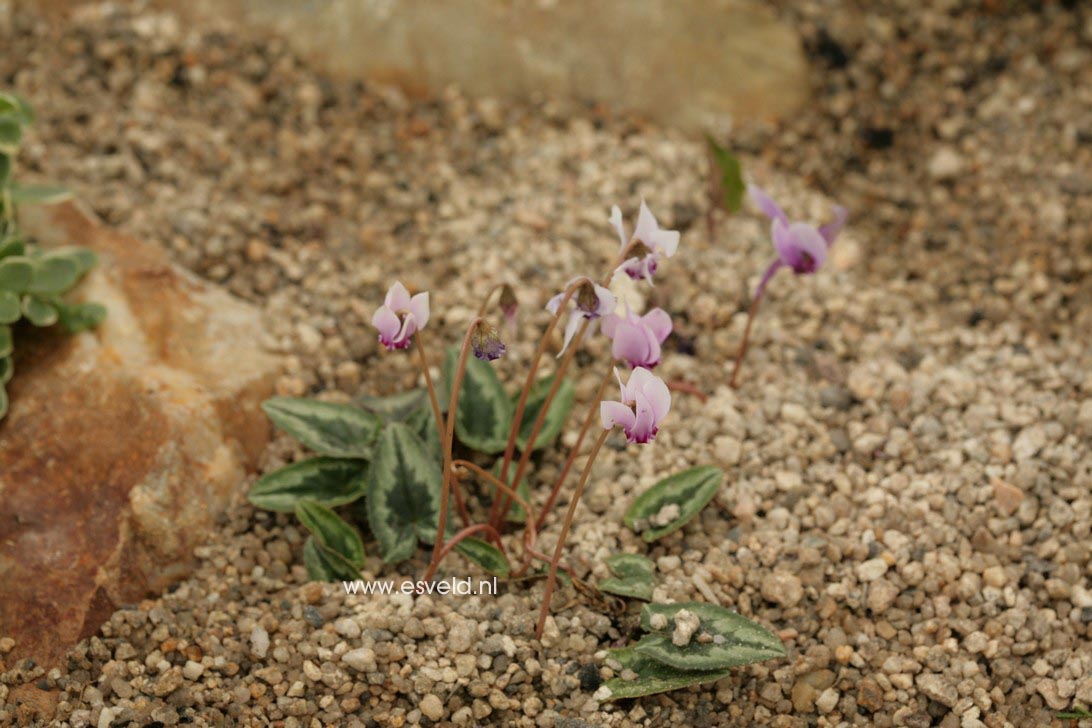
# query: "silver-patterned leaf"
652,677
671,503
338,430
396,407
331,532
403,493
730,640
632,576
484,412
329,481
485,555
323,564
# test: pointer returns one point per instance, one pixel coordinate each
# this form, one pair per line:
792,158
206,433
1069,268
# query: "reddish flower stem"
521,404
485,301
529,448
743,344
593,410
551,580
470,531
679,385
449,436
492,480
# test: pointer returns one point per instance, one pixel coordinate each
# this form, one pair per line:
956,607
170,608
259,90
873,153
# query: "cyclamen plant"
32,281
392,462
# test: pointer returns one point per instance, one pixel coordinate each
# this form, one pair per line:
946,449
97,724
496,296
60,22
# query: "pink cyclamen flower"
800,246
400,317
637,339
644,403
592,302
648,244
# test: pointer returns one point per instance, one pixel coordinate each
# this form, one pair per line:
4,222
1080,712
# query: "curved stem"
485,300
529,448
449,436
521,405
551,580
433,399
593,410
492,480
470,531
743,344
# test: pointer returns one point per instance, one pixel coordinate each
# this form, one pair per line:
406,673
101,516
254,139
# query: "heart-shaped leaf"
339,430
329,481
39,194
652,677
484,413
80,316
632,576
485,555
39,312
324,564
331,532
15,272
53,274
396,407
730,182
10,309
731,639
423,424
555,416
6,344
403,493
7,369
668,505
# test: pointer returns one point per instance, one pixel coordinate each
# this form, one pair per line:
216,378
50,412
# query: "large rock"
123,444
693,63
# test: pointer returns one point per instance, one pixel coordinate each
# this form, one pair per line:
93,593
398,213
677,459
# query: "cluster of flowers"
636,341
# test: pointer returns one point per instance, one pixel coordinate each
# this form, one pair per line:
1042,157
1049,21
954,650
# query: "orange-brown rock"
123,444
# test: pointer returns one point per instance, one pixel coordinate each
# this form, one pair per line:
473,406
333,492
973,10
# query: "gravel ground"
909,498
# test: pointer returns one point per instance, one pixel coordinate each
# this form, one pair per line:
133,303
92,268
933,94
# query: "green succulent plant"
33,282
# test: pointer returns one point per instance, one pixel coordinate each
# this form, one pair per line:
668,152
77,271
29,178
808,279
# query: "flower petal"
617,224
800,246
647,227
570,330
659,398
554,303
610,324
615,413
398,298
659,322
387,322
766,204
607,301
418,306
830,230
631,344
644,425
666,241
